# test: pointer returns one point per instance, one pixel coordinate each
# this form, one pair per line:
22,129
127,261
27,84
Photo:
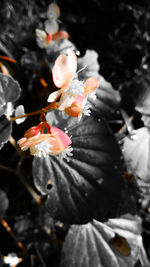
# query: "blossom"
42,144
51,34
43,39
65,77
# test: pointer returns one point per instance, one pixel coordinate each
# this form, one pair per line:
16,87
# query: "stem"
35,196
9,230
53,105
26,115
15,145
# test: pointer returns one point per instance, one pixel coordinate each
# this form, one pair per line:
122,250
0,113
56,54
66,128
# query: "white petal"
66,101
40,34
51,26
18,112
52,97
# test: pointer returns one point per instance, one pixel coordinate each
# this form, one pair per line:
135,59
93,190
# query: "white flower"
12,260
43,149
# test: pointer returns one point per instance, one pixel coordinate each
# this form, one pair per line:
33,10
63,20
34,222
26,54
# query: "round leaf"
100,244
90,183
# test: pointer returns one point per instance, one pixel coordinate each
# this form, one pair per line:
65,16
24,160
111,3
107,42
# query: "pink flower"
65,78
41,144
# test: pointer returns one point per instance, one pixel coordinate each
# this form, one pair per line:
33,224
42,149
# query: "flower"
51,35
42,144
65,77
43,39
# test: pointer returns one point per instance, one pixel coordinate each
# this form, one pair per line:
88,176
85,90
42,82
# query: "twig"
9,230
39,255
32,192
15,145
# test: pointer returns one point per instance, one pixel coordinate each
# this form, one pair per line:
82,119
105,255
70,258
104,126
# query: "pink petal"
79,99
61,137
33,131
60,35
64,69
91,85
75,110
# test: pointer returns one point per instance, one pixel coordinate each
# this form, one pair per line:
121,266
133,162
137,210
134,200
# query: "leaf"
4,203
142,94
90,62
9,91
5,130
136,153
91,182
91,245
5,50
108,99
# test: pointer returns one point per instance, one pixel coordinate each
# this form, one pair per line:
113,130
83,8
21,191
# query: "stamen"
75,88
81,69
66,154
43,149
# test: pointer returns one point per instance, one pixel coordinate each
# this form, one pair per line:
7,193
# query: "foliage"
74,133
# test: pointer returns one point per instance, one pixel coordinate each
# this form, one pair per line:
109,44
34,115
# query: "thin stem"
15,145
35,196
9,230
26,115
53,105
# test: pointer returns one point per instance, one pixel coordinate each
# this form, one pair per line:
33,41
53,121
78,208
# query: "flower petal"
91,85
62,137
51,26
60,35
66,101
64,69
53,96
75,110
53,11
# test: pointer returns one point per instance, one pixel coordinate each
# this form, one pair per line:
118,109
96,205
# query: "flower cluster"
71,98
41,144
51,35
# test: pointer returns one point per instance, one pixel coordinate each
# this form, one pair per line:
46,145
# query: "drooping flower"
72,93
42,144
